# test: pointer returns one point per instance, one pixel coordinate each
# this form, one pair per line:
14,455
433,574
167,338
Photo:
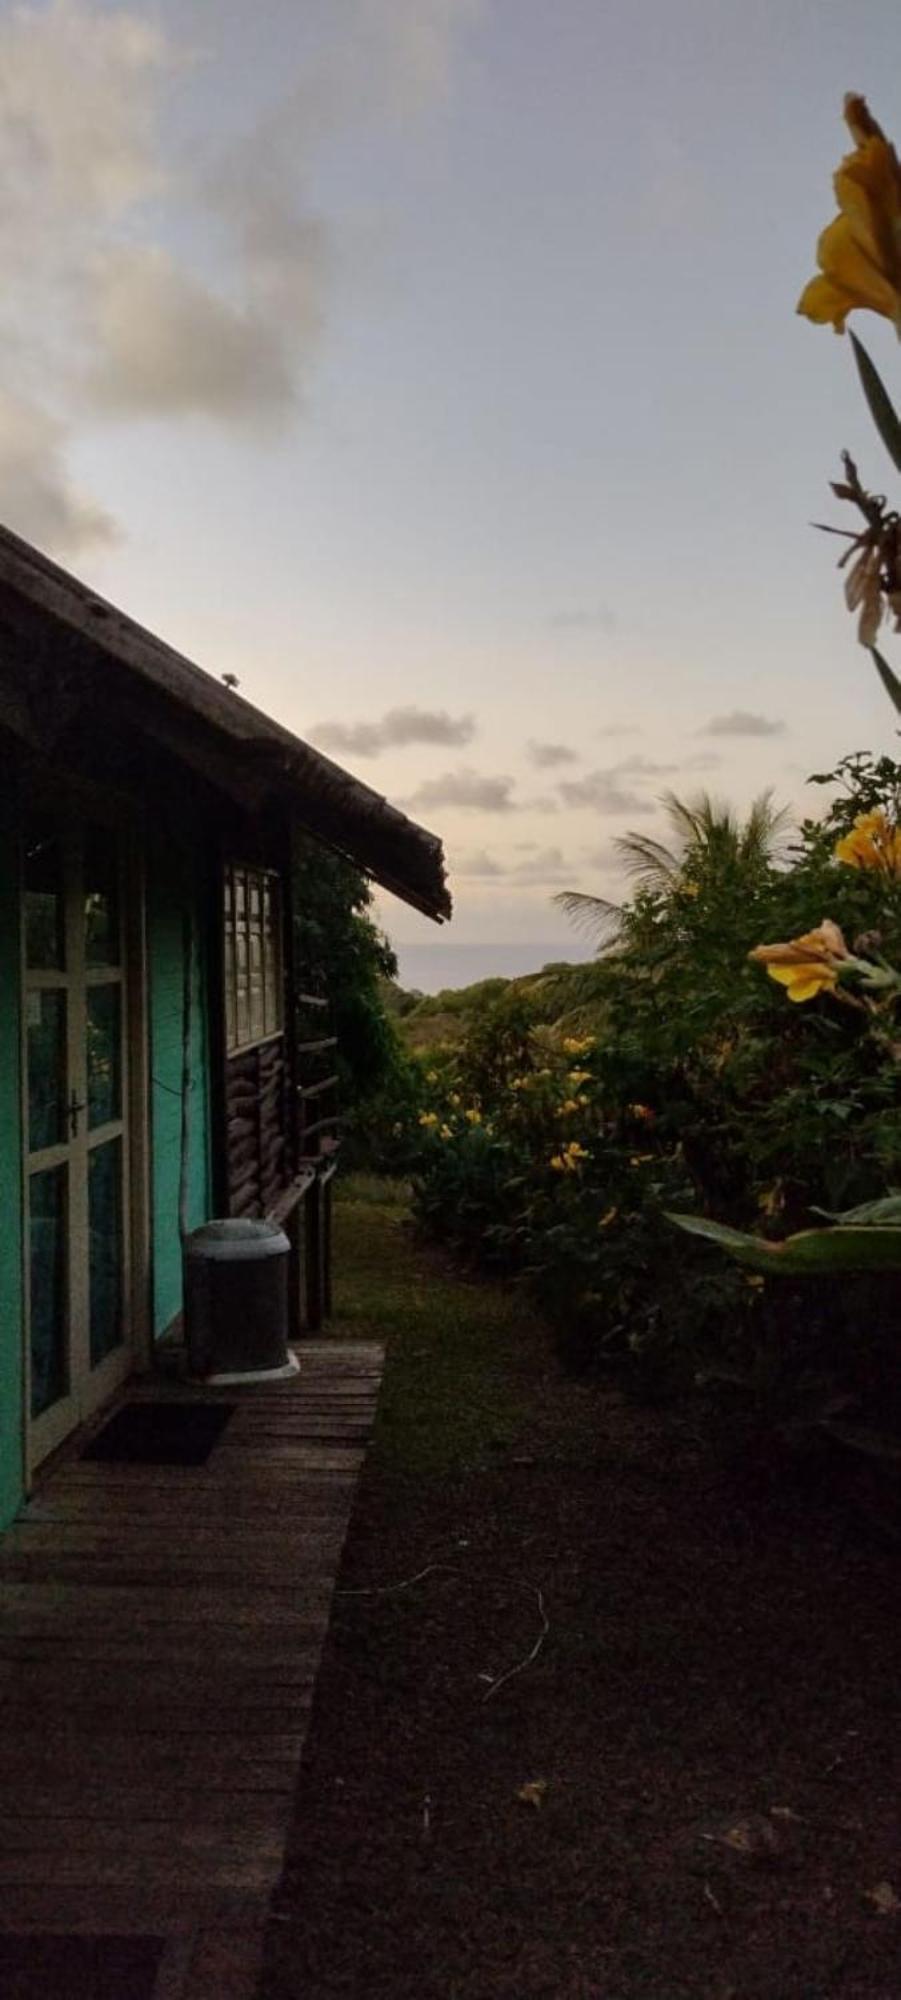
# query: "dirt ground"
708,1733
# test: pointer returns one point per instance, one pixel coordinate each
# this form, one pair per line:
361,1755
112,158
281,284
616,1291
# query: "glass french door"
75,1121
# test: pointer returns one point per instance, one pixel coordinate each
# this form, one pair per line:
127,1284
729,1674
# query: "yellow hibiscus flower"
872,843
806,965
859,254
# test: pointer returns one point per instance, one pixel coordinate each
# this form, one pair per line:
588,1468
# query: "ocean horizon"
431,968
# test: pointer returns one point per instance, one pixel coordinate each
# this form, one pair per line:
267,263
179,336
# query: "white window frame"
252,943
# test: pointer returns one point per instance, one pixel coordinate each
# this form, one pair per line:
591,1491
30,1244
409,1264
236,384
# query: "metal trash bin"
236,1300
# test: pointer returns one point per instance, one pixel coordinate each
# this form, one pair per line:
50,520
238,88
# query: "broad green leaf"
881,408
886,1209
845,1248
889,680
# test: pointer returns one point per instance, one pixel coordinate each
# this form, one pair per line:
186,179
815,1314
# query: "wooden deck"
160,1632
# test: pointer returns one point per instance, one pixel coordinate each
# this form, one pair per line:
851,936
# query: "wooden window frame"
267,884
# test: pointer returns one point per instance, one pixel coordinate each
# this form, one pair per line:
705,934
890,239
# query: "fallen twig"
450,1569
385,1589
533,1655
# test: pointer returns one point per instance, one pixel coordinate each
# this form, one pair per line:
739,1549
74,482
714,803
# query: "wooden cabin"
147,818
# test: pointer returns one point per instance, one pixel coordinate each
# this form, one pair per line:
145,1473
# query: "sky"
432,366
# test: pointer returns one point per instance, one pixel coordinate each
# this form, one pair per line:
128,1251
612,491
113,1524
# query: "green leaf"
889,680
813,1251
882,409
869,1213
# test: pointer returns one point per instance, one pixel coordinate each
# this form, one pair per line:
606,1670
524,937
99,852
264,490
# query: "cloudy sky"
432,366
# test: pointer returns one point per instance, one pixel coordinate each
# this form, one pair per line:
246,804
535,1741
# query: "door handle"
74,1109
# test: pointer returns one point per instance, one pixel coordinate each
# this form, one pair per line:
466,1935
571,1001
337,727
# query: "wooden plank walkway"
160,1633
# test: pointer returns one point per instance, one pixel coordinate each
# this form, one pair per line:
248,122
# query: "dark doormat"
50,1967
160,1434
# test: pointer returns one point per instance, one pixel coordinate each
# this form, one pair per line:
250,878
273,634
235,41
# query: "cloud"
105,315
644,767
468,789
620,729
97,319
78,100
540,802
742,723
165,346
582,618
41,502
547,755
545,868
477,864
398,727
417,40
604,792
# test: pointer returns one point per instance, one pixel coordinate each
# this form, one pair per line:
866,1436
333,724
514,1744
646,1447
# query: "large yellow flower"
872,843
859,254
805,965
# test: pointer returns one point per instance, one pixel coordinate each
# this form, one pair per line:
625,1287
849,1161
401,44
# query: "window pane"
257,1014
105,1248
43,891
242,1008
271,959
104,1053
101,897
48,1288
231,1023
45,1021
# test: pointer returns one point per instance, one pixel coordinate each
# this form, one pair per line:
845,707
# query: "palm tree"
708,839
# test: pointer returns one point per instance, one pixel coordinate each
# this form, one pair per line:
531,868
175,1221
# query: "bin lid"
237,1239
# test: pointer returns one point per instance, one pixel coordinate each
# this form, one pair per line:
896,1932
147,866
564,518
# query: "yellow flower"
577,1076
859,254
872,843
472,1116
569,1105
578,1045
642,1111
431,1076
568,1160
640,1159
608,1217
806,965
455,1099
428,1119
445,1132
804,982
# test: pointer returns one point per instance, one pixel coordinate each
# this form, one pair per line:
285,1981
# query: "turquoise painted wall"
166,896
11,1410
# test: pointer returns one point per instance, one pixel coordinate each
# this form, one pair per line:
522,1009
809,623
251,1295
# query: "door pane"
48,1232
101,897
105,1248
104,1053
43,893
45,1019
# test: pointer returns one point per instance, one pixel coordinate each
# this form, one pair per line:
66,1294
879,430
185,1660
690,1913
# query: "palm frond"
647,860
594,914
